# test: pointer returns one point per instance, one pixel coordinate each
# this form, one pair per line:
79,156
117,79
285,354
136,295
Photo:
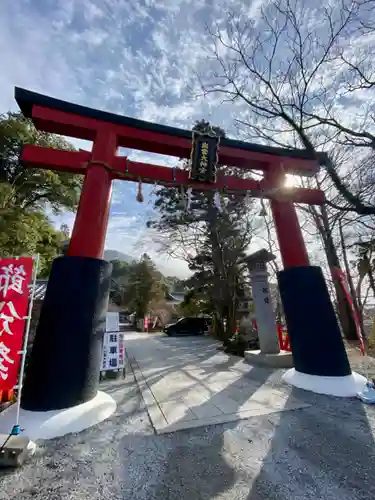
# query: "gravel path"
322,452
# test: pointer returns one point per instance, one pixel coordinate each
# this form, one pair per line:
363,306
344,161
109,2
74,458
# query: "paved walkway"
186,382
324,451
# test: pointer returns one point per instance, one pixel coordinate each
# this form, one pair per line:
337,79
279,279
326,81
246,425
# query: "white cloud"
132,57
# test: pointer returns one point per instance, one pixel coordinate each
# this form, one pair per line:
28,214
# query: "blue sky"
132,57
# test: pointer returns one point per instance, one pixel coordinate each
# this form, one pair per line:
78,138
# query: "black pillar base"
315,336
65,361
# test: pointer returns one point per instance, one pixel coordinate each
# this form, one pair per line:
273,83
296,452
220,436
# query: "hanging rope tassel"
139,194
189,193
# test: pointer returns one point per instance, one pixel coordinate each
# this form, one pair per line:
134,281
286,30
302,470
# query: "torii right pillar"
321,364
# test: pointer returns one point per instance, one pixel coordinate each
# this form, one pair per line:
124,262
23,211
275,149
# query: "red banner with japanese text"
340,276
15,277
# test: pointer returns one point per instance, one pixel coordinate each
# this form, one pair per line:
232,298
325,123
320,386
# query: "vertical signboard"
204,157
113,355
264,313
340,276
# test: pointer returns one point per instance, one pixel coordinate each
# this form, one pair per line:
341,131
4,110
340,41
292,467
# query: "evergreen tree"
213,239
26,193
145,287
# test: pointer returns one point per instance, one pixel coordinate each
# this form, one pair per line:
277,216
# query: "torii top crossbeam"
100,166
154,138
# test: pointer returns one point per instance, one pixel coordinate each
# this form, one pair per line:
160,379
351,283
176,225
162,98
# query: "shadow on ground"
325,452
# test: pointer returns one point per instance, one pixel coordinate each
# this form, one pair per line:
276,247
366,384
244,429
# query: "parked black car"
188,326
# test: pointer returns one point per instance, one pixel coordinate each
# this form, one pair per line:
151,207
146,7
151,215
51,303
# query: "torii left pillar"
65,362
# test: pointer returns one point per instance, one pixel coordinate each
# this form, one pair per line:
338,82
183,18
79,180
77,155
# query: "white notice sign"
113,355
112,322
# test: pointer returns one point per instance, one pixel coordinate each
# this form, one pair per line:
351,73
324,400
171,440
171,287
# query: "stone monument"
269,353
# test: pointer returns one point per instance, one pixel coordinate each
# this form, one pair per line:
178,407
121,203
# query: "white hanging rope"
263,210
217,201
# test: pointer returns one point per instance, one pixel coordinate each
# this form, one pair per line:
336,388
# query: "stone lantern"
269,353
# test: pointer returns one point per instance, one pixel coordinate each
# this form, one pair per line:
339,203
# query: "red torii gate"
302,286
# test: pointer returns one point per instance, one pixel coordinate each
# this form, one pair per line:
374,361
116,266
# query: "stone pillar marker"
264,314
269,353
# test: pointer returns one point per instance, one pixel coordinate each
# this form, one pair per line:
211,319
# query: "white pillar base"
57,423
344,387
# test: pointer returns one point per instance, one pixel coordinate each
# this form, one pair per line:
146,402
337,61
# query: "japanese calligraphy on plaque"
113,355
15,277
204,157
